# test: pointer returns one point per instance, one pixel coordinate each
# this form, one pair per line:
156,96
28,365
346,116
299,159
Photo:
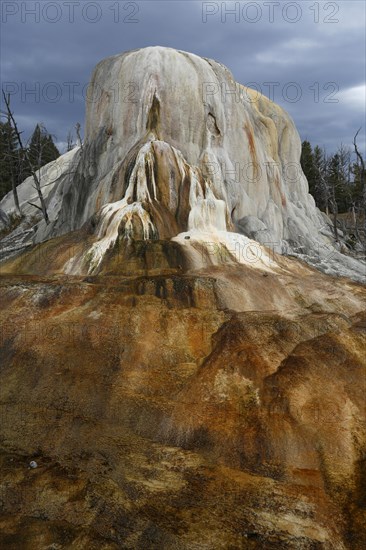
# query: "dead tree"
11,161
334,206
359,156
77,128
70,142
25,154
363,184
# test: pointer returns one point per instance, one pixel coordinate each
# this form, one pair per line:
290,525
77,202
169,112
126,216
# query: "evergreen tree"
24,156
357,187
8,158
314,165
42,149
307,165
52,153
339,179
321,191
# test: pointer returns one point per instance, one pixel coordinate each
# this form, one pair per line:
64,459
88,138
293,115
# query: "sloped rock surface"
182,144
160,418
175,148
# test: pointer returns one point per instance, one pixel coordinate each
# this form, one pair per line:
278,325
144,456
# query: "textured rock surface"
175,111
174,146
159,418
52,178
180,385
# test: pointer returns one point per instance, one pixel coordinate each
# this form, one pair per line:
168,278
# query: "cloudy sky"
307,56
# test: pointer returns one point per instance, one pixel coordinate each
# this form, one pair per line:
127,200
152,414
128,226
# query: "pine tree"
307,165
42,149
8,158
51,151
357,187
24,156
314,164
339,179
321,191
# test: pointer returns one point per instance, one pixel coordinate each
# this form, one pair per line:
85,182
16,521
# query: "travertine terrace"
181,380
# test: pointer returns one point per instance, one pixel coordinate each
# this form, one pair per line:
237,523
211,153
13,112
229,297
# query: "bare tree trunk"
335,213
13,182
26,156
70,143
41,198
355,223
353,215
77,127
15,194
335,228
363,185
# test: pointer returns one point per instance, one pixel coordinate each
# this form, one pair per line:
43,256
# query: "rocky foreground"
220,410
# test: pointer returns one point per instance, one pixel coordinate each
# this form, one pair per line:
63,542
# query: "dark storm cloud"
308,56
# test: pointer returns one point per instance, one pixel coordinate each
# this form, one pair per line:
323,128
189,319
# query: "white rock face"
158,106
174,145
52,178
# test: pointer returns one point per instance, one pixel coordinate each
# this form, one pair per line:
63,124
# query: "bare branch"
77,128
35,205
26,157
359,156
13,182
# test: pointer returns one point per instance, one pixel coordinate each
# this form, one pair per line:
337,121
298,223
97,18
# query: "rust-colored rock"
159,417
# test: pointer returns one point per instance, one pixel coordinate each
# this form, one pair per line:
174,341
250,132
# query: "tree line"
14,166
18,160
338,184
